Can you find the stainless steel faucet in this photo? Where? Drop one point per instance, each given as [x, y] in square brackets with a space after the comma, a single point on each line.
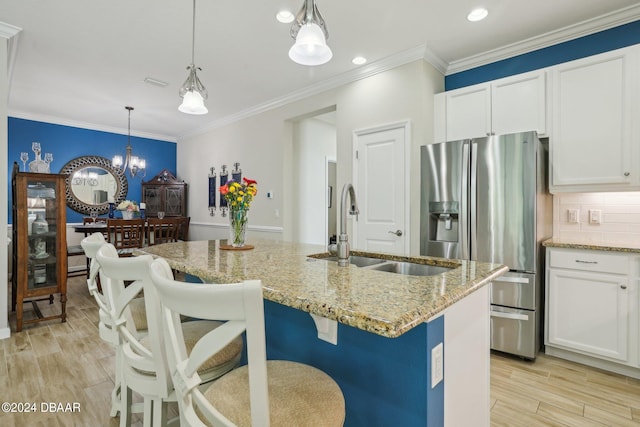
[342, 247]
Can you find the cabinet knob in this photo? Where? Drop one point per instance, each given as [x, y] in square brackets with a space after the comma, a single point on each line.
[627, 174]
[623, 286]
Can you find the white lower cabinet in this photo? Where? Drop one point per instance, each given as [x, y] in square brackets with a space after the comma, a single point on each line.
[592, 307]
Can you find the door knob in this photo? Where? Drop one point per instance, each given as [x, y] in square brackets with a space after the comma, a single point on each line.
[397, 232]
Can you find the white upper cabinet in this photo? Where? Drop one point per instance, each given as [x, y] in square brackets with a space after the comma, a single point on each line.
[439, 118]
[519, 104]
[592, 142]
[508, 105]
[468, 112]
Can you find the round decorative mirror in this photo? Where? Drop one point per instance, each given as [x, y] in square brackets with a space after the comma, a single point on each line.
[91, 182]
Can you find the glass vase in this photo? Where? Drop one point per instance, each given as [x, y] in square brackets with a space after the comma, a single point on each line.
[237, 227]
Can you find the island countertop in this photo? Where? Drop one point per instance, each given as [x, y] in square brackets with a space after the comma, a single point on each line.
[386, 304]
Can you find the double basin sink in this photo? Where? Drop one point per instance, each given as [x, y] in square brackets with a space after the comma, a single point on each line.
[390, 266]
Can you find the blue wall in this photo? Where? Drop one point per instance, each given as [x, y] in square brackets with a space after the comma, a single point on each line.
[67, 143]
[614, 38]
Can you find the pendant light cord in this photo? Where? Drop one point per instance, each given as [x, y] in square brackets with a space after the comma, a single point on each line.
[193, 35]
[129, 138]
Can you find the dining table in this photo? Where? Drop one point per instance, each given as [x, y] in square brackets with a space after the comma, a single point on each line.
[90, 228]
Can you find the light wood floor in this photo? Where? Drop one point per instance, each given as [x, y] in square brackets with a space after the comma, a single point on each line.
[68, 363]
[555, 392]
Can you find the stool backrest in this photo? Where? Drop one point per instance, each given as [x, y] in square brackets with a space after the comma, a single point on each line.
[90, 245]
[240, 306]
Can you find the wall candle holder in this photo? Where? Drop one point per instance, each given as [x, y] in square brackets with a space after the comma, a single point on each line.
[212, 191]
[224, 177]
[236, 174]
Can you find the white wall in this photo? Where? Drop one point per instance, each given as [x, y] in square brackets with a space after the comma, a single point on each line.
[314, 142]
[620, 218]
[264, 146]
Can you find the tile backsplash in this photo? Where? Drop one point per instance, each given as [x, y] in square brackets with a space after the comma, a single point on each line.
[619, 217]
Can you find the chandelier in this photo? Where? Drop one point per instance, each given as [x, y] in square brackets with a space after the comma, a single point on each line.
[136, 165]
[310, 33]
[192, 91]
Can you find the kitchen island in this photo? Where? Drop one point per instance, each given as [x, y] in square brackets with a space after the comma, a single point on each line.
[383, 328]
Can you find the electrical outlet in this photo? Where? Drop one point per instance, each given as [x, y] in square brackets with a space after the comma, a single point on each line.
[573, 216]
[437, 365]
[595, 216]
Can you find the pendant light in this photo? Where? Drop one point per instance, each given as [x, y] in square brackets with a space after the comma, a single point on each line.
[310, 33]
[137, 166]
[192, 91]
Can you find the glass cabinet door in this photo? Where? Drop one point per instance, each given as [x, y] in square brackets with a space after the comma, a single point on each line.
[42, 227]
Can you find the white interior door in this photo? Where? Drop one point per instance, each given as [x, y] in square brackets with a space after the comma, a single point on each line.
[381, 182]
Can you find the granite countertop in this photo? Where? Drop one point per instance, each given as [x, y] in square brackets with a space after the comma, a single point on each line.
[386, 304]
[591, 245]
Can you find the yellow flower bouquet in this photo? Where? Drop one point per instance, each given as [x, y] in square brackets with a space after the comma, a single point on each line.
[239, 196]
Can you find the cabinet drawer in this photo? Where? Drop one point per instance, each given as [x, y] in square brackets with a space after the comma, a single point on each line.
[589, 261]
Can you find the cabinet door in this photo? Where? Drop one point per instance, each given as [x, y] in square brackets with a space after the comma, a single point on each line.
[439, 118]
[588, 312]
[591, 139]
[152, 197]
[468, 112]
[518, 104]
[174, 200]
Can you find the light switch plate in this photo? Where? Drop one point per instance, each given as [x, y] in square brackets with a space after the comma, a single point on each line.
[595, 216]
[573, 216]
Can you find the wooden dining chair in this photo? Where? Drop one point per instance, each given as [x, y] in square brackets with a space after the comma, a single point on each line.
[164, 230]
[125, 234]
[282, 393]
[145, 369]
[184, 228]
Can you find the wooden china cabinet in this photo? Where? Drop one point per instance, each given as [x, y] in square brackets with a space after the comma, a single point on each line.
[39, 244]
[165, 193]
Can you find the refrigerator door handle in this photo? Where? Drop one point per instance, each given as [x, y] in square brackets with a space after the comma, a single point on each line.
[510, 316]
[512, 279]
[464, 203]
[473, 201]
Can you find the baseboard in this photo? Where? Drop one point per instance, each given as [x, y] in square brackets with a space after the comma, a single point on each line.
[5, 333]
[594, 362]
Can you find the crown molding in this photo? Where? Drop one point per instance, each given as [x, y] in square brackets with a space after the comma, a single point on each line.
[86, 125]
[362, 72]
[8, 31]
[12, 34]
[581, 29]
[433, 59]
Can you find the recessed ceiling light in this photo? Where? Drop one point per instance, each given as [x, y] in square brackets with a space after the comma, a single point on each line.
[477, 14]
[359, 60]
[285, 16]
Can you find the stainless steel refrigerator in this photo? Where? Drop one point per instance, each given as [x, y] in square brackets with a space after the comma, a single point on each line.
[486, 199]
